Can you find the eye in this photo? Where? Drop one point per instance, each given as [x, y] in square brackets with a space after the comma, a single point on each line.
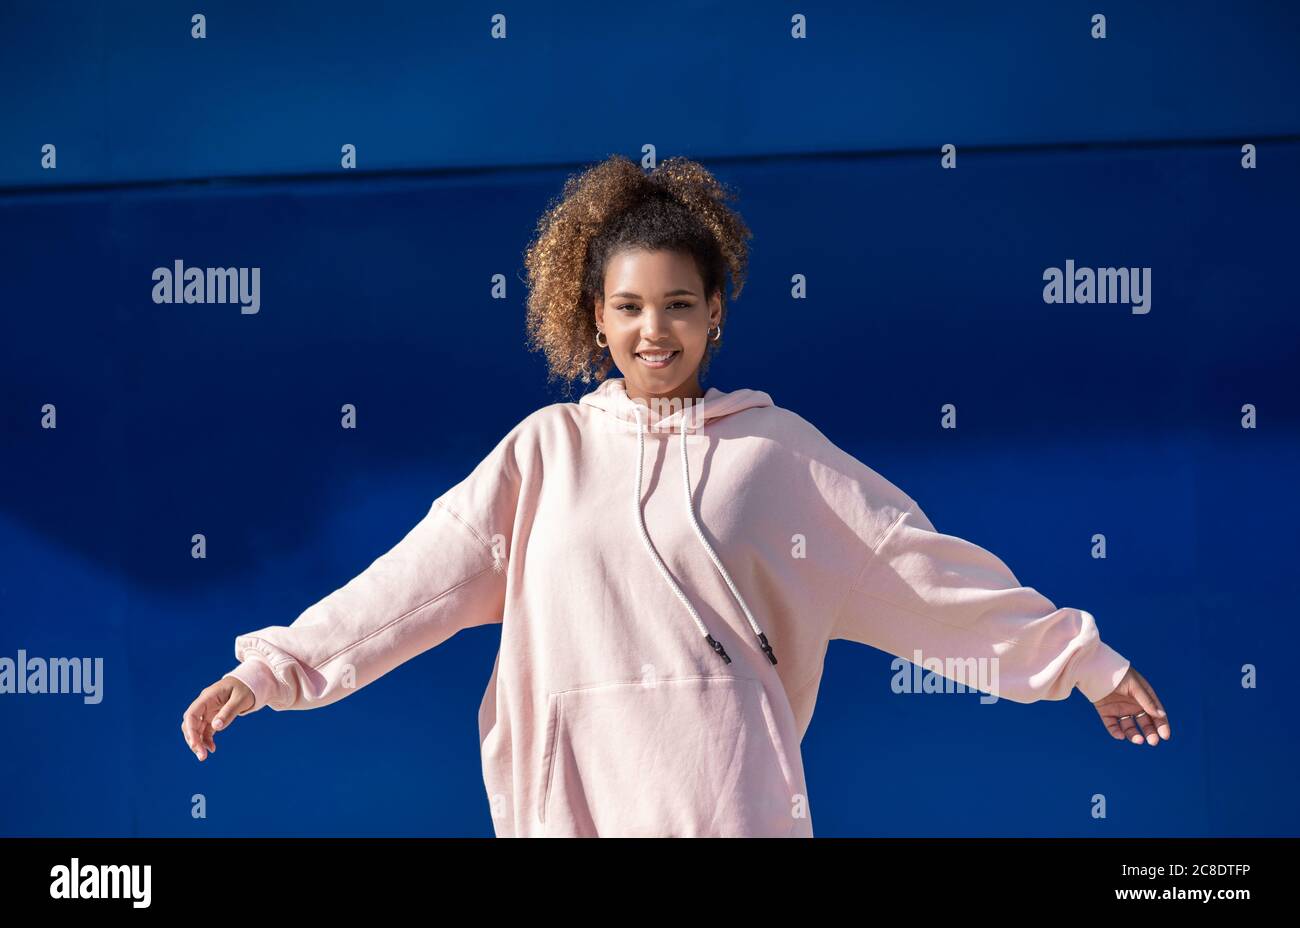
[680, 303]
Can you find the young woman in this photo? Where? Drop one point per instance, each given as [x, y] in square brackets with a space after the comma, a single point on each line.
[668, 563]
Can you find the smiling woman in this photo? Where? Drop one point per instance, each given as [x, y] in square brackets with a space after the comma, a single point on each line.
[667, 585]
[658, 341]
[629, 269]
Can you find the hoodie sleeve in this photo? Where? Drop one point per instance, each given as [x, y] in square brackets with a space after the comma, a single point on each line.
[947, 598]
[447, 573]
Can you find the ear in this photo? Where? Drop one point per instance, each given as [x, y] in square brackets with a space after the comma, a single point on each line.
[715, 308]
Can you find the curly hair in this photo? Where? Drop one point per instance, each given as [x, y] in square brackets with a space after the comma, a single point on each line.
[613, 206]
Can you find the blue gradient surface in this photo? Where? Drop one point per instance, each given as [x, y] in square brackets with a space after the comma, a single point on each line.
[924, 288]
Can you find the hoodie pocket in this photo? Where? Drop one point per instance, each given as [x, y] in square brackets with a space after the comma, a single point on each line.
[687, 756]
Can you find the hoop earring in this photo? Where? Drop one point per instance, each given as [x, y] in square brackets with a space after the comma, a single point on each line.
[605, 343]
[716, 337]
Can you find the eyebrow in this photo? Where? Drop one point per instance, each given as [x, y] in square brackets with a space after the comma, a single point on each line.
[637, 296]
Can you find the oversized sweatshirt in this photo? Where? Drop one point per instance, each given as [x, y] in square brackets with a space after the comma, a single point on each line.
[667, 581]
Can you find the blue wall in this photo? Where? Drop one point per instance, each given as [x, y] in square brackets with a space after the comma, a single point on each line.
[925, 288]
[276, 88]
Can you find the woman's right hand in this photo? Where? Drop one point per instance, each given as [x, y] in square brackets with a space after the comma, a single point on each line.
[213, 710]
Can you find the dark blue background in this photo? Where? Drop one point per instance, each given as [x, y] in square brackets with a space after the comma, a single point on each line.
[925, 288]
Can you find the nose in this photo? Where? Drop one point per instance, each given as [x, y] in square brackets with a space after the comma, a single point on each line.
[653, 322]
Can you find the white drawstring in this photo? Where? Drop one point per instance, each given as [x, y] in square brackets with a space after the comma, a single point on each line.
[717, 562]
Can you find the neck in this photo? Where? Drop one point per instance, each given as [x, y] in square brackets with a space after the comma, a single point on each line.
[690, 390]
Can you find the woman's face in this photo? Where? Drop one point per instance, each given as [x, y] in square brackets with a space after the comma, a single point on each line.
[653, 304]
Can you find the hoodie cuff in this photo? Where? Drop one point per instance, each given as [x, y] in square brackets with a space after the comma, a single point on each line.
[1100, 672]
[258, 677]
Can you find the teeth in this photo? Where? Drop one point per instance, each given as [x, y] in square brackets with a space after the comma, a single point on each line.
[657, 357]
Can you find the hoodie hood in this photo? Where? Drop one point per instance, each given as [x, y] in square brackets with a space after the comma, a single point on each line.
[682, 417]
[611, 397]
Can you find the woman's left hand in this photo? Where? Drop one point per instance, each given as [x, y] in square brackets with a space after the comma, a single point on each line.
[1132, 712]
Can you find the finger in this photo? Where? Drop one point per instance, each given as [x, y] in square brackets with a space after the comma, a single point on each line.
[205, 727]
[1147, 727]
[1112, 726]
[194, 726]
[229, 712]
[1156, 729]
[1155, 711]
[189, 723]
[1130, 730]
[188, 718]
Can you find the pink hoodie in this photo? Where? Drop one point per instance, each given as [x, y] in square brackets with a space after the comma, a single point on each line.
[663, 624]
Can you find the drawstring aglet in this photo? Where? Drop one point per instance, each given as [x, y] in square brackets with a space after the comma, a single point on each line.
[717, 646]
[767, 648]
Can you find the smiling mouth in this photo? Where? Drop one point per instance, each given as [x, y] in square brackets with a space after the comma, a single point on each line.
[658, 359]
